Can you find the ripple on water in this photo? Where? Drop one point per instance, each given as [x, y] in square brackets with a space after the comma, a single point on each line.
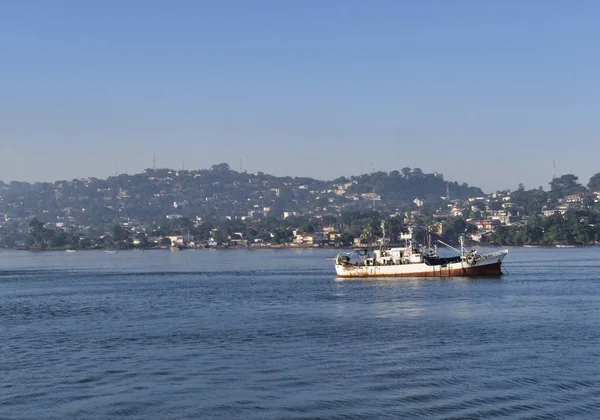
[270, 336]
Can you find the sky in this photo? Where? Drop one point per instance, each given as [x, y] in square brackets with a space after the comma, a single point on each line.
[485, 92]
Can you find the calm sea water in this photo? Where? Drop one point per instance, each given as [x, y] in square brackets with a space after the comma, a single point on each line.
[273, 335]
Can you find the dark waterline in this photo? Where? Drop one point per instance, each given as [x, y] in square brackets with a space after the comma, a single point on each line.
[272, 334]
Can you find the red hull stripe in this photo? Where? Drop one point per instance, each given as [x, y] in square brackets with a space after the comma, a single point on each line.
[488, 269]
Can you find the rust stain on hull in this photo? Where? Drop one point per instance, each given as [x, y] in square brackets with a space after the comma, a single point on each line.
[483, 270]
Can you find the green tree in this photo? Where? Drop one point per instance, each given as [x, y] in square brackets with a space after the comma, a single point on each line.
[250, 234]
[504, 235]
[557, 230]
[282, 236]
[85, 242]
[307, 228]
[37, 234]
[455, 227]
[73, 241]
[495, 205]
[345, 239]
[120, 234]
[221, 168]
[480, 205]
[144, 243]
[367, 237]
[220, 237]
[417, 172]
[565, 185]
[594, 184]
[58, 240]
[394, 227]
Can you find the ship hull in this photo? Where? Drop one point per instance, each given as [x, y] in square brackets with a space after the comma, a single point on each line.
[491, 265]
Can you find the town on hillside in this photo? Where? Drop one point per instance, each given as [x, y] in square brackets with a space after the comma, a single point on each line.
[220, 207]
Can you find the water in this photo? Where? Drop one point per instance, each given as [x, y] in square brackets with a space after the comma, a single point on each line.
[273, 335]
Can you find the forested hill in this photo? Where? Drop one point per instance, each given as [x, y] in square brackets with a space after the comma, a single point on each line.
[217, 192]
[410, 184]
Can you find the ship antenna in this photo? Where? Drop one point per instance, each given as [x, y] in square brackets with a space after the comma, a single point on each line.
[382, 234]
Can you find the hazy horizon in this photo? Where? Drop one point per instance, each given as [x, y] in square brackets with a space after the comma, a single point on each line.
[486, 93]
[127, 172]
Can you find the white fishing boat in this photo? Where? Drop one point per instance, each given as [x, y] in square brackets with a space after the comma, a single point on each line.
[415, 261]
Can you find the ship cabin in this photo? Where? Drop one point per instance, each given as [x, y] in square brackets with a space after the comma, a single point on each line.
[394, 256]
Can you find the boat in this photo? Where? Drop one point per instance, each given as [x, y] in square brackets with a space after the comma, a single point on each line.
[565, 246]
[71, 250]
[417, 261]
[531, 246]
[110, 251]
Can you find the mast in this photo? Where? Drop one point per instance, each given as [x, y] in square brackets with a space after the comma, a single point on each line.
[428, 239]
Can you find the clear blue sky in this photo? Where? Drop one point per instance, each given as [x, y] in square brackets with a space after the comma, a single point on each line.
[485, 92]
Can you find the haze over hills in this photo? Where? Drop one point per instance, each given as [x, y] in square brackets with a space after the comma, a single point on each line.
[106, 175]
[209, 196]
[160, 202]
[221, 191]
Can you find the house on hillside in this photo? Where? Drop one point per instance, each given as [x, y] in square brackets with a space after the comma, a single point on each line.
[487, 225]
[575, 198]
[310, 238]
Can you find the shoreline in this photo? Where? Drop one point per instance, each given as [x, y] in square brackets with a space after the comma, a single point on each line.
[254, 247]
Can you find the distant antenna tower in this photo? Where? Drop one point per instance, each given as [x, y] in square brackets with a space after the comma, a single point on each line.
[117, 169]
[153, 160]
[553, 169]
[241, 167]
[447, 191]
[183, 165]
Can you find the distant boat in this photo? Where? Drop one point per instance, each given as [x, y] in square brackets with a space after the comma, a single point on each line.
[110, 251]
[71, 250]
[565, 246]
[531, 246]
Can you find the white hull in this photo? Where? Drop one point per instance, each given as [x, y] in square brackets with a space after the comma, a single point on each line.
[487, 264]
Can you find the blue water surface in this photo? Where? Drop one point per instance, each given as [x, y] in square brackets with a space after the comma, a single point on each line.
[272, 334]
